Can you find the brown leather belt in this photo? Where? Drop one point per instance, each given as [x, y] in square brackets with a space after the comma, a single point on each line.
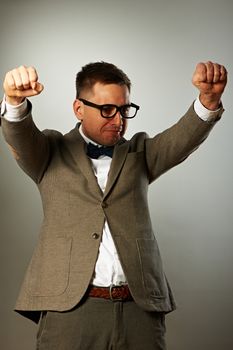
[114, 293]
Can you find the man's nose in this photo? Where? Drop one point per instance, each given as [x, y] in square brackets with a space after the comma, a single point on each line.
[118, 119]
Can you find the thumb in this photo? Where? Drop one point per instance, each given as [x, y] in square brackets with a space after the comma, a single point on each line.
[37, 87]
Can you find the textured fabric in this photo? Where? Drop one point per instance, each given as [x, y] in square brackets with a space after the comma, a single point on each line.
[100, 324]
[75, 210]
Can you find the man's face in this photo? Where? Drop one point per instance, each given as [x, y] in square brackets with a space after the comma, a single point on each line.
[102, 130]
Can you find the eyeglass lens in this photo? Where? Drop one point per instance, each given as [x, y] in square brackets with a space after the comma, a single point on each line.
[126, 111]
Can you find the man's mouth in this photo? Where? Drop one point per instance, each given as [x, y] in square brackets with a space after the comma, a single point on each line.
[113, 129]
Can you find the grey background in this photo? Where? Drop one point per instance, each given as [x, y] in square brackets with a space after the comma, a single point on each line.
[158, 44]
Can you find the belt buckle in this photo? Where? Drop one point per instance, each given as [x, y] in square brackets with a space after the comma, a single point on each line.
[110, 293]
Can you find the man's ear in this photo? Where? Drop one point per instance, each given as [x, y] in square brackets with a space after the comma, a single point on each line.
[78, 109]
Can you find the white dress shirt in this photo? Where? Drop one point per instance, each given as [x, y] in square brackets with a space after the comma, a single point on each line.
[108, 269]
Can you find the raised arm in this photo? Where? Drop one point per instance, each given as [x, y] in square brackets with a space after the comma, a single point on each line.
[172, 146]
[29, 146]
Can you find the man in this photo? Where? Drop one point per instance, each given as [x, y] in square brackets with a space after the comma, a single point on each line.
[96, 279]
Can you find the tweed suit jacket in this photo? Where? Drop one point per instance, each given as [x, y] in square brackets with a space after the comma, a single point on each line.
[75, 209]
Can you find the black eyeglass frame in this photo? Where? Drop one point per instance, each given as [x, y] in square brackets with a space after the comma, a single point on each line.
[118, 108]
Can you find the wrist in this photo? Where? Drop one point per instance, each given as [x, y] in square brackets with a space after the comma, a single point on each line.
[14, 101]
[210, 101]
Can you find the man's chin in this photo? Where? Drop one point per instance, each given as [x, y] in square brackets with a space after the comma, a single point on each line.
[111, 141]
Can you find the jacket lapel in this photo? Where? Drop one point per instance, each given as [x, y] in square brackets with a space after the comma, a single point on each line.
[119, 156]
[77, 147]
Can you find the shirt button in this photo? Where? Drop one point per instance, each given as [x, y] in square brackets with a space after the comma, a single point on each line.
[95, 235]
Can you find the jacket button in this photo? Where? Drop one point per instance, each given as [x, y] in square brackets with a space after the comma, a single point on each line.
[104, 205]
[95, 235]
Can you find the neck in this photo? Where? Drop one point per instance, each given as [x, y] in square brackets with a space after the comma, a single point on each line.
[87, 139]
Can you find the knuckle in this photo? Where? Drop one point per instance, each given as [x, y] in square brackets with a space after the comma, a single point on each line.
[11, 85]
[8, 77]
[22, 67]
[32, 71]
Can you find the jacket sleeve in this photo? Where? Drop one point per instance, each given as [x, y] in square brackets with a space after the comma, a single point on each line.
[28, 144]
[175, 144]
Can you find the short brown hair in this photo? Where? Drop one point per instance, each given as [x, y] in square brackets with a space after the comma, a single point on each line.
[101, 72]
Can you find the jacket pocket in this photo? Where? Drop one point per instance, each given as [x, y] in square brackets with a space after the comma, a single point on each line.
[48, 273]
[151, 268]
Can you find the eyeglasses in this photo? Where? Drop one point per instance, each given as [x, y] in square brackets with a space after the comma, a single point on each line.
[128, 111]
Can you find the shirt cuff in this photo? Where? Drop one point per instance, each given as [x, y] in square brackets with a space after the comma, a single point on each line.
[204, 113]
[14, 113]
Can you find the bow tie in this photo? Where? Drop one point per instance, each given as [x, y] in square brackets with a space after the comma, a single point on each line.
[95, 152]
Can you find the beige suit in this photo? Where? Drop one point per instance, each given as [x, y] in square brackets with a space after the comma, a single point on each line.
[75, 210]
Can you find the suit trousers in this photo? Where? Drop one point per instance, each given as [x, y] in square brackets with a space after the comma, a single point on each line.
[100, 324]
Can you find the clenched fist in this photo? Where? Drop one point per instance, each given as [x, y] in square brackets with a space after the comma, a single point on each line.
[21, 82]
[211, 79]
